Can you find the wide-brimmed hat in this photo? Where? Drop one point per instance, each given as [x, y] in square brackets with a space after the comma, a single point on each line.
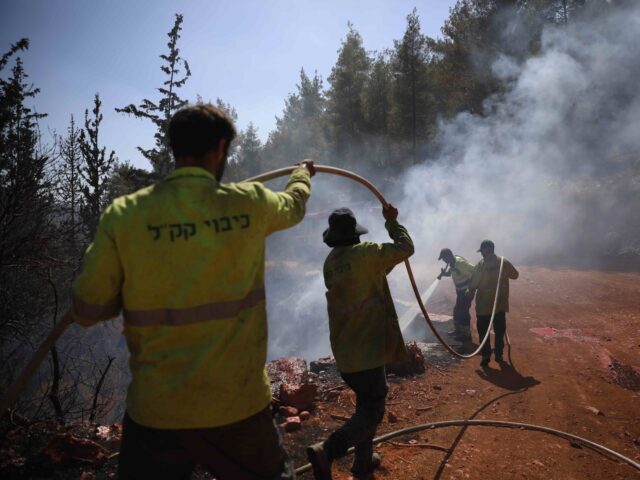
[342, 227]
[488, 244]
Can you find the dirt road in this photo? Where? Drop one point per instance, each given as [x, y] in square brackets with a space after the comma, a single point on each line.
[573, 366]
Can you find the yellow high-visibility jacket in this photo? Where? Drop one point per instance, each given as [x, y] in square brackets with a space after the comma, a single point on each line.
[363, 323]
[184, 261]
[461, 273]
[485, 280]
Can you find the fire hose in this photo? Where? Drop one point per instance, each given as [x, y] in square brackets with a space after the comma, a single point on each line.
[449, 423]
[44, 348]
[496, 423]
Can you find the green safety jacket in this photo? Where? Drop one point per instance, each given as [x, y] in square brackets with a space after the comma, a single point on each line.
[485, 280]
[461, 273]
[363, 323]
[184, 262]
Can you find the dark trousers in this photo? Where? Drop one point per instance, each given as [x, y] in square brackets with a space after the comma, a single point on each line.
[370, 387]
[499, 327]
[247, 450]
[461, 315]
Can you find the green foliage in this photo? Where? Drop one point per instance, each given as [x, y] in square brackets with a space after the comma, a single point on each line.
[95, 168]
[249, 156]
[378, 96]
[70, 183]
[177, 72]
[25, 197]
[411, 91]
[345, 98]
[26, 216]
[301, 131]
[126, 179]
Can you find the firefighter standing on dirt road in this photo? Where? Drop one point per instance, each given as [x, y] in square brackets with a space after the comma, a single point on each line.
[184, 261]
[460, 271]
[484, 282]
[364, 331]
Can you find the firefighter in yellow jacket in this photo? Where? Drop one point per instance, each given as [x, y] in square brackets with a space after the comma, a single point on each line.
[183, 261]
[364, 331]
[460, 271]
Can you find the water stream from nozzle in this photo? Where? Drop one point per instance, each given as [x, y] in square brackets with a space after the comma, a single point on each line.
[409, 316]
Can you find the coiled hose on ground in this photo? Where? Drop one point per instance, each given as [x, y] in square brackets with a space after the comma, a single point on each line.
[495, 423]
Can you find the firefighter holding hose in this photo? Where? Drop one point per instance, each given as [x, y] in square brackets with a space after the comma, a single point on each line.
[460, 271]
[183, 261]
[364, 332]
[483, 284]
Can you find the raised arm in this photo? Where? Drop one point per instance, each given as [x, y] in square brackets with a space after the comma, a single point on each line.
[287, 208]
[96, 291]
[390, 254]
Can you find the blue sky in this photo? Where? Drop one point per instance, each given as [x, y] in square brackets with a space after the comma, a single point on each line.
[249, 53]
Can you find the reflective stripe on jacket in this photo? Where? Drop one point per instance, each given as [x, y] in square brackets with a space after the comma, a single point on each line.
[461, 273]
[485, 279]
[184, 260]
[363, 323]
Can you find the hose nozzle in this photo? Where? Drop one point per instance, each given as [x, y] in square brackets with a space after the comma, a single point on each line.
[442, 272]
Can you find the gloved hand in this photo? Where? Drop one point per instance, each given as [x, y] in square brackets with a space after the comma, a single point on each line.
[390, 212]
[309, 164]
[444, 273]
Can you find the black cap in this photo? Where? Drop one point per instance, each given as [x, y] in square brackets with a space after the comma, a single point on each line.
[342, 227]
[445, 252]
[487, 244]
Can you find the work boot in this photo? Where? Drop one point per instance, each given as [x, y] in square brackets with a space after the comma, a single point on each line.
[320, 462]
[361, 471]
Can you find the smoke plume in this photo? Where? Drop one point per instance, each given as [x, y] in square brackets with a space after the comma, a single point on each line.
[550, 172]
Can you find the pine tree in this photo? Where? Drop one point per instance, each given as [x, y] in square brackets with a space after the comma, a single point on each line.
[556, 11]
[25, 217]
[377, 107]
[25, 198]
[250, 151]
[411, 87]
[378, 96]
[474, 35]
[346, 96]
[301, 131]
[70, 185]
[125, 179]
[177, 72]
[95, 168]
[232, 152]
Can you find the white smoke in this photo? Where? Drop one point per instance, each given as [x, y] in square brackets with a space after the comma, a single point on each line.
[550, 173]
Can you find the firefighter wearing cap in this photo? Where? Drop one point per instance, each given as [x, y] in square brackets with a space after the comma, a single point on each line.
[483, 284]
[460, 271]
[183, 261]
[364, 331]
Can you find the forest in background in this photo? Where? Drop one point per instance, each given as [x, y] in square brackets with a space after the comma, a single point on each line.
[376, 110]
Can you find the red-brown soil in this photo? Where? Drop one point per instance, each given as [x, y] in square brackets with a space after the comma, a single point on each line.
[573, 366]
